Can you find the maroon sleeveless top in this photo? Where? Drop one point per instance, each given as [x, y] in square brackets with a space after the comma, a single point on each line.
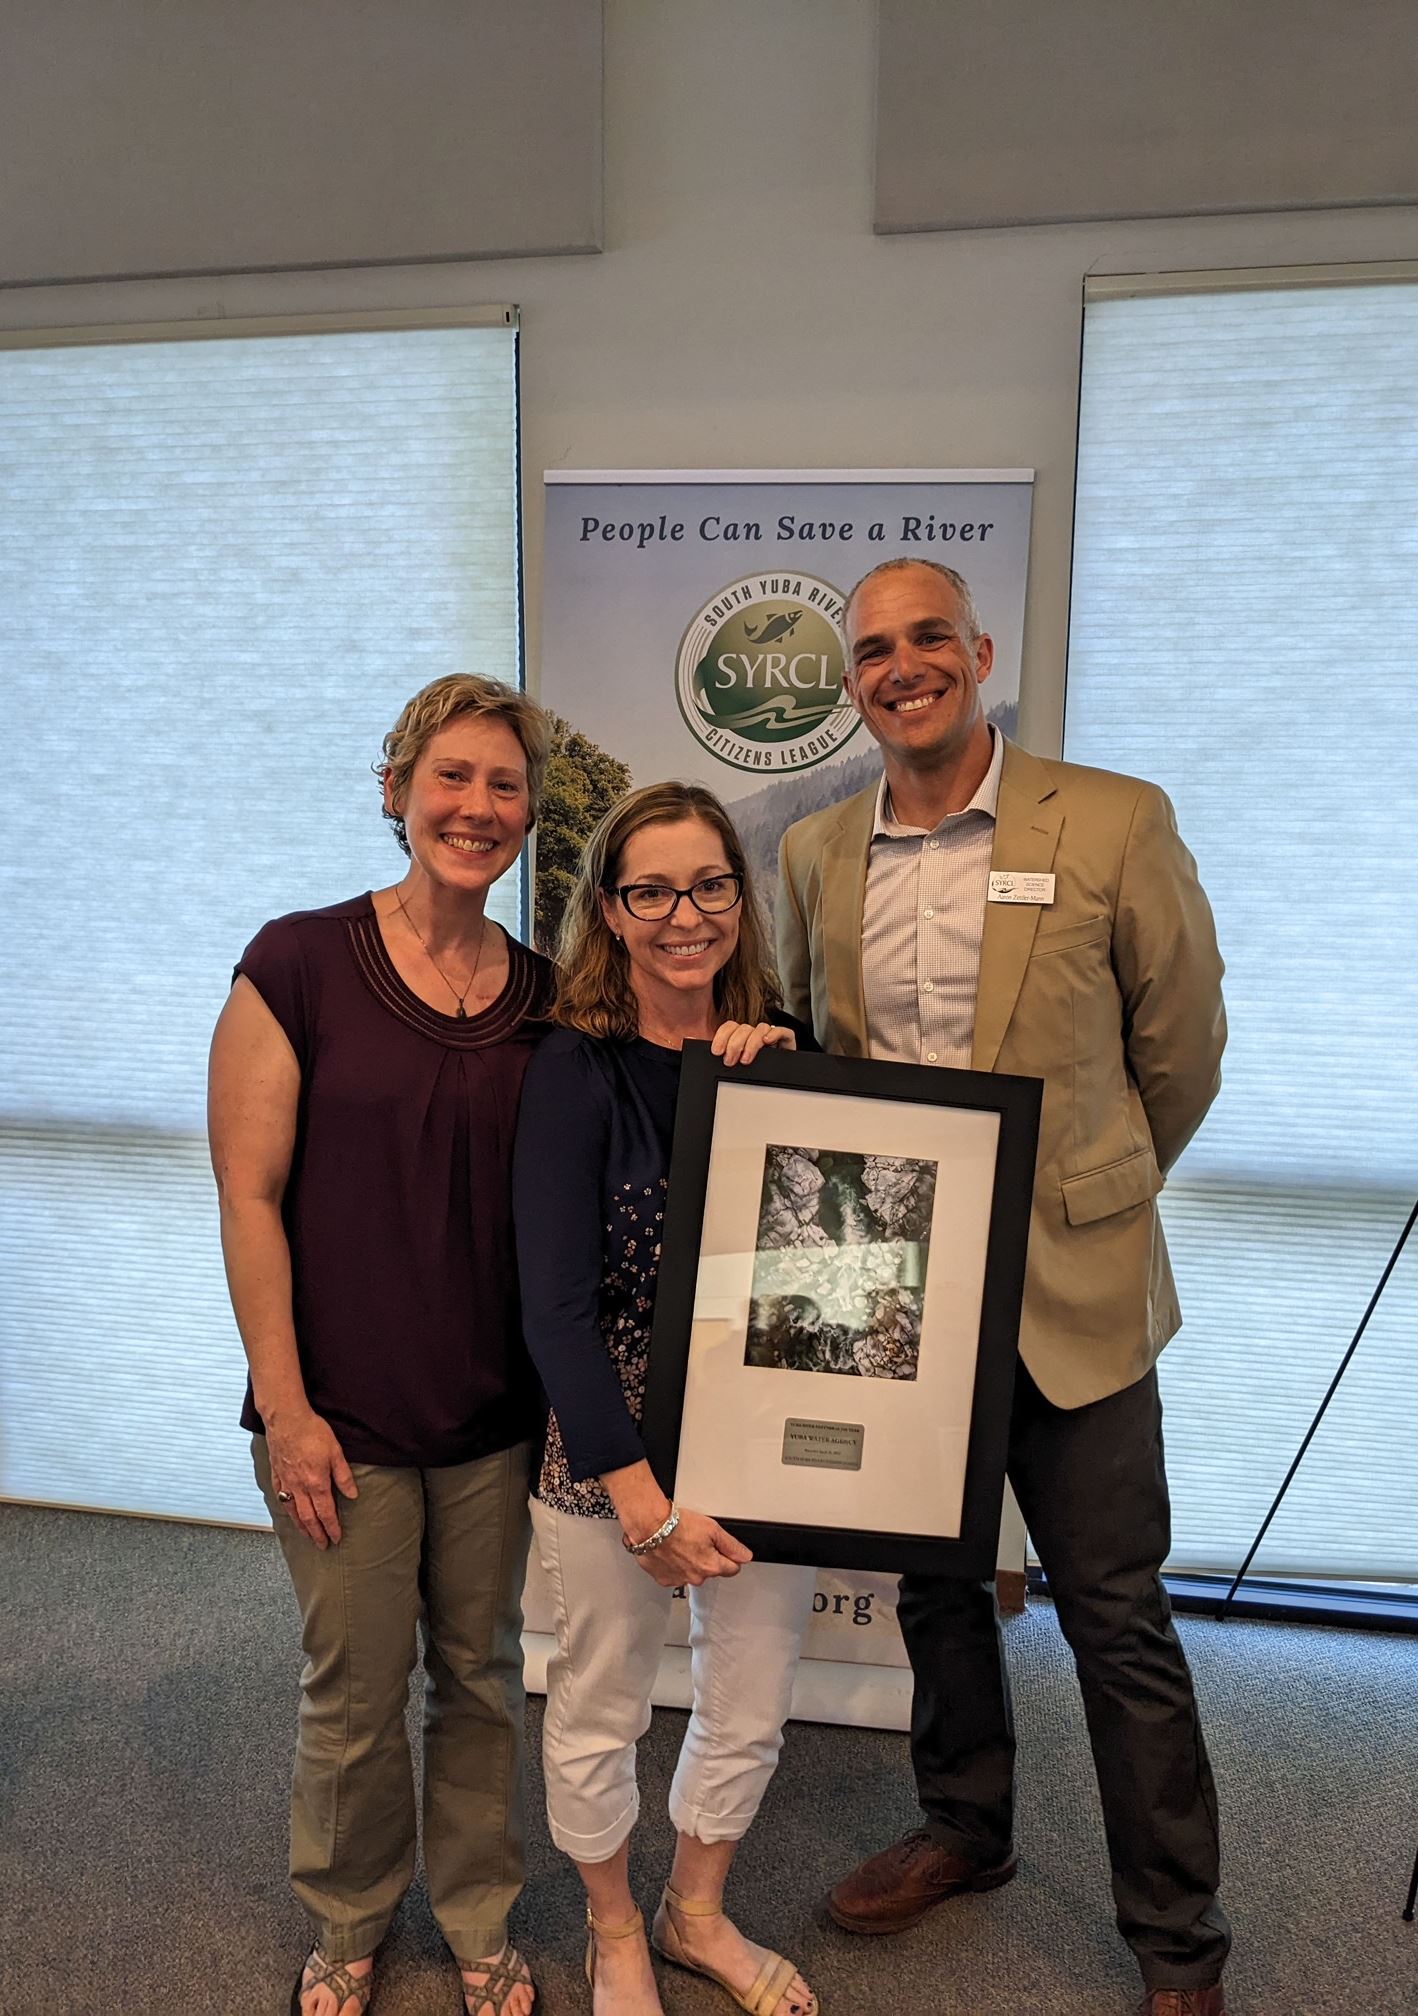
[398, 1206]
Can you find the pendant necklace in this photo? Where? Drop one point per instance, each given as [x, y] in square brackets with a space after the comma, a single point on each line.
[459, 998]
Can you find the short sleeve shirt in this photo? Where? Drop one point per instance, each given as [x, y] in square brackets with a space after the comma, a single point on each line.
[398, 1204]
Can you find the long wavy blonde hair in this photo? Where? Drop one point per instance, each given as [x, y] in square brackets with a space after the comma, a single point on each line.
[594, 993]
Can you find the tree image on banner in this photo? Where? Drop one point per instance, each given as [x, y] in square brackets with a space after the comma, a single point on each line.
[582, 783]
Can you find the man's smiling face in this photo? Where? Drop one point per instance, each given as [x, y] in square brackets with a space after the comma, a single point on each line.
[914, 668]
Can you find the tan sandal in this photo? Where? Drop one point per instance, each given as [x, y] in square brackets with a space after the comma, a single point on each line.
[764, 1998]
[505, 1971]
[334, 1975]
[596, 1925]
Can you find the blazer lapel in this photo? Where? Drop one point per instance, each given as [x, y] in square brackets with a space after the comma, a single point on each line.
[1027, 824]
[844, 884]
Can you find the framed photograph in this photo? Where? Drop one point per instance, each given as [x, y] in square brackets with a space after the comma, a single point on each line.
[837, 1315]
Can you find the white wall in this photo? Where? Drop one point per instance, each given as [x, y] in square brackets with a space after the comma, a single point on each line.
[742, 313]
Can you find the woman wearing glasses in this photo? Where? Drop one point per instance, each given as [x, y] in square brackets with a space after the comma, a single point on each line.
[661, 944]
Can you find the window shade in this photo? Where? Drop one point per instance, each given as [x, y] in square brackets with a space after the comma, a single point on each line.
[1244, 631]
[224, 566]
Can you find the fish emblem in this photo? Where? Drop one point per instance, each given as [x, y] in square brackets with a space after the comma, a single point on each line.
[775, 627]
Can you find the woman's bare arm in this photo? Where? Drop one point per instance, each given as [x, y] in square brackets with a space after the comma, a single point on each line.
[252, 1100]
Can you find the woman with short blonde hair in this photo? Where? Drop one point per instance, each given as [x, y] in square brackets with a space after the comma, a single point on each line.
[661, 944]
[468, 697]
[364, 1084]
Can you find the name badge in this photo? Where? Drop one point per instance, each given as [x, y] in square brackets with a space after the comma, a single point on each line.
[1008, 888]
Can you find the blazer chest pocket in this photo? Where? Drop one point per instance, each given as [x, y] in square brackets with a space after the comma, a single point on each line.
[1099, 1193]
[1065, 937]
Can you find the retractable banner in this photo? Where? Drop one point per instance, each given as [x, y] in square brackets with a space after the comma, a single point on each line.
[691, 628]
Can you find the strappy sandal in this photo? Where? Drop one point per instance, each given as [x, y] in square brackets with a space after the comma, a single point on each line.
[596, 1925]
[334, 1975]
[505, 1971]
[774, 1977]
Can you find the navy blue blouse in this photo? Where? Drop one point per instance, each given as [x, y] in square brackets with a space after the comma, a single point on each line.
[589, 1172]
[589, 1175]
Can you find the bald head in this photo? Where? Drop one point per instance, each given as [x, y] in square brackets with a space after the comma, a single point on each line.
[965, 601]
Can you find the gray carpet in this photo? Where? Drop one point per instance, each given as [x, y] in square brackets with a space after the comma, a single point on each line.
[147, 1693]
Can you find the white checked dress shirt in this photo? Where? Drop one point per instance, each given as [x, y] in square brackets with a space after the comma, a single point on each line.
[922, 925]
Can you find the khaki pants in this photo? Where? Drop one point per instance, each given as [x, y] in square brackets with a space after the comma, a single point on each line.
[446, 1548]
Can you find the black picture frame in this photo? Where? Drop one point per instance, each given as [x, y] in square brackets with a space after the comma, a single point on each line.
[1017, 1101]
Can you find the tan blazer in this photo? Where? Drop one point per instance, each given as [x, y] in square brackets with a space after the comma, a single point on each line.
[1111, 995]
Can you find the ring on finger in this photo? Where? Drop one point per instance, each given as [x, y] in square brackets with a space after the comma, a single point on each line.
[285, 1497]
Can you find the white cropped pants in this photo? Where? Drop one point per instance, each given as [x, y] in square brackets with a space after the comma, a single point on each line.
[744, 1634]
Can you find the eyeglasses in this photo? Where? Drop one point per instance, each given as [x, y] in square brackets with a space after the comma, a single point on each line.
[652, 902]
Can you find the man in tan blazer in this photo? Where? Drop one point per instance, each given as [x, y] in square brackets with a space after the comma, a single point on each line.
[981, 907]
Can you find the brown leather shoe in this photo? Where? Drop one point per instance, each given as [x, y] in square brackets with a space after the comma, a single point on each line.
[896, 1888]
[1184, 2002]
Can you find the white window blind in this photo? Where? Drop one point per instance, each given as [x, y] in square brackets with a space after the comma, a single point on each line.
[1245, 631]
[224, 566]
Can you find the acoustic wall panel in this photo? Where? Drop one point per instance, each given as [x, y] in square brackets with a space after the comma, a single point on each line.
[994, 112]
[143, 137]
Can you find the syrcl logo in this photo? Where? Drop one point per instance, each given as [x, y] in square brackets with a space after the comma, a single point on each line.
[759, 674]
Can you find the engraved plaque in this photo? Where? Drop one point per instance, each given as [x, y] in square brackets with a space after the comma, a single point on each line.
[823, 1445]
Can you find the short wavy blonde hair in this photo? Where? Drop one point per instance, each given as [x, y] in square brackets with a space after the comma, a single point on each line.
[593, 967]
[451, 698]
